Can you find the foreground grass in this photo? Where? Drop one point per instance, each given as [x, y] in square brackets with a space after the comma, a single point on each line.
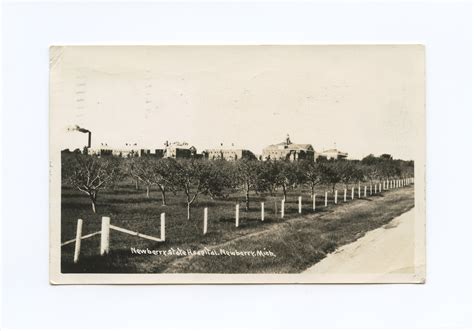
[298, 241]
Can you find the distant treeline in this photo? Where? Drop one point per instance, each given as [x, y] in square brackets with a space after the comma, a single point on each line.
[220, 178]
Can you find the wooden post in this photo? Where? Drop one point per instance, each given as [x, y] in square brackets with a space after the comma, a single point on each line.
[365, 191]
[352, 193]
[359, 191]
[370, 190]
[314, 202]
[77, 248]
[300, 207]
[162, 227]
[380, 187]
[204, 231]
[335, 197]
[283, 208]
[325, 199]
[263, 211]
[345, 195]
[237, 210]
[105, 235]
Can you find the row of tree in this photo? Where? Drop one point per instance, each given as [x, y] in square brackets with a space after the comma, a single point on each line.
[219, 179]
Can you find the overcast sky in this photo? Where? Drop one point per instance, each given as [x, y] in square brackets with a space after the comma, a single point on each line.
[363, 99]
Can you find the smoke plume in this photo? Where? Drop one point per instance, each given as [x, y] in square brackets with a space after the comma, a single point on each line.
[78, 128]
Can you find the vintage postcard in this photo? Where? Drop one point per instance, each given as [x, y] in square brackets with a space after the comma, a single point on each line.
[237, 164]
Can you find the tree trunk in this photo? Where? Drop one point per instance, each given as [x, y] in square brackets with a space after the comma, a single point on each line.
[148, 191]
[284, 192]
[136, 185]
[189, 211]
[312, 190]
[247, 200]
[163, 196]
[93, 197]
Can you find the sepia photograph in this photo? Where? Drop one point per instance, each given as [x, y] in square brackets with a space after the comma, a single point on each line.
[237, 164]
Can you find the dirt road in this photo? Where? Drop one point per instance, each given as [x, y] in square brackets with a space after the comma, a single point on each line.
[389, 250]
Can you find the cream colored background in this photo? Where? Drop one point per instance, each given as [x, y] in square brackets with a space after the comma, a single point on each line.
[368, 97]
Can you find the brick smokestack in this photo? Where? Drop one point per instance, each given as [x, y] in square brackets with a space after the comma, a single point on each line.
[89, 138]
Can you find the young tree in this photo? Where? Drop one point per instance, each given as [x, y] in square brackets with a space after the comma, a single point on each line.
[248, 177]
[140, 168]
[278, 173]
[349, 171]
[193, 177]
[330, 174]
[90, 174]
[151, 171]
[311, 173]
[370, 172]
[222, 181]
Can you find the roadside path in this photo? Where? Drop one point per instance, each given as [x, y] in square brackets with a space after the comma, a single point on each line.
[387, 250]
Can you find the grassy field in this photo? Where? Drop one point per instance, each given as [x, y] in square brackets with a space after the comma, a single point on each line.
[298, 241]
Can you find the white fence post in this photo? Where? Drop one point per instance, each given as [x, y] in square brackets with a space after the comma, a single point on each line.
[370, 189]
[283, 208]
[345, 195]
[237, 211]
[105, 235]
[380, 187]
[77, 248]
[299, 205]
[335, 197]
[162, 227]
[365, 191]
[359, 191]
[204, 230]
[352, 193]
[263, 211]
[314, 202]
[326, 199]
